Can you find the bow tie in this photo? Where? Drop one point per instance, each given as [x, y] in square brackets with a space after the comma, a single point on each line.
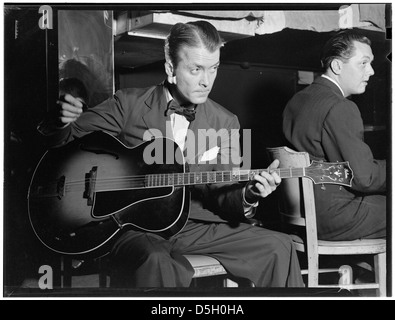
[187, 112]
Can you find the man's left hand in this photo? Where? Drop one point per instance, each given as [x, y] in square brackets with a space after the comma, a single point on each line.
[263, 184]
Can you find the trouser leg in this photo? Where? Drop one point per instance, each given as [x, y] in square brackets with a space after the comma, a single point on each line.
[146, 260]
[263, 256]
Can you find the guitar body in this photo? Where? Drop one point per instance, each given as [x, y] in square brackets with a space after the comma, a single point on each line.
[80, 197]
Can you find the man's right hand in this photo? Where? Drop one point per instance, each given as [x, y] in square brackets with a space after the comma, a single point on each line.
[70, 109]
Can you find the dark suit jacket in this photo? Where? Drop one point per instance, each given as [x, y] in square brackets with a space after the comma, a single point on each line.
[321, 121]
[133, 115]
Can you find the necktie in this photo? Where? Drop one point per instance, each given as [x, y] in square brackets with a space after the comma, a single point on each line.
[187, 112]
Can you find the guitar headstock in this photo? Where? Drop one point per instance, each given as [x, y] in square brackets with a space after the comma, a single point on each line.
[330, 172]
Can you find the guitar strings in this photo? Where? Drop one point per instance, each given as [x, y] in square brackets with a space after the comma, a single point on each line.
[140, 180]
[144, 177]
[58, 186]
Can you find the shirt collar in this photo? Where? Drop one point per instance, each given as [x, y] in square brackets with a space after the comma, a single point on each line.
[335, 82]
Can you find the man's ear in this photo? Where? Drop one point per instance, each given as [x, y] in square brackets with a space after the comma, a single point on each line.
[171, 78]
[336, 66]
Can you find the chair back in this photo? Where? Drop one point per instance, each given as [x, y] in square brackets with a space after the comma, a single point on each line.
[295, 193]
[297, 204]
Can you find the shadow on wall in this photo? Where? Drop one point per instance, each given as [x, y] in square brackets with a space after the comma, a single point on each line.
[96, 91]
[85, 47]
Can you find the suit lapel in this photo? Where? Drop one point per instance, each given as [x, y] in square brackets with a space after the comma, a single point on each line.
[155, 118]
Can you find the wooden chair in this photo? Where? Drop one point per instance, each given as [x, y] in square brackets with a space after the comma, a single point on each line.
[297, 208]
[203, 265]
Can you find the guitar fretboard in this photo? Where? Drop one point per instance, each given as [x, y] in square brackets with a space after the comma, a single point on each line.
[192, 178]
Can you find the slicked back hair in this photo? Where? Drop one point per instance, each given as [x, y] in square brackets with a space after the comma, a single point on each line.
[192, 34]
[341, 46]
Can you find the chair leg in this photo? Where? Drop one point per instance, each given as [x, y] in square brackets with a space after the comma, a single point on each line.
[312, 275]
[57, 272]
[66, 271]
[381, 273]
[102, 274]
[346, 275]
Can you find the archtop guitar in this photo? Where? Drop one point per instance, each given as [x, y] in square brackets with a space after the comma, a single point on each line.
[82, 195]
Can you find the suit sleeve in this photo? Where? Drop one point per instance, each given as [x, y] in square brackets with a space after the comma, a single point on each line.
[343, 139]
[106, 116]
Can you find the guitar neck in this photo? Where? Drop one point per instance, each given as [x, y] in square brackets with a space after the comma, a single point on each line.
[193, 178]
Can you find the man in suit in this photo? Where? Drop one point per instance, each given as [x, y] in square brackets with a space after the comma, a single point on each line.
[324, 122]
[217, 222]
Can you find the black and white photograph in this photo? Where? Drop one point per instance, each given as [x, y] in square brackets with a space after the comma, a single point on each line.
[195, 151]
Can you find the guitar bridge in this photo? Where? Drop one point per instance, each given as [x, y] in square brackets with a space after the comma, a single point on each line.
[90, 184]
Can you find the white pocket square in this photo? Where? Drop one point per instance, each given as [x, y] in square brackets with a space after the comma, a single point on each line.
[210, 154]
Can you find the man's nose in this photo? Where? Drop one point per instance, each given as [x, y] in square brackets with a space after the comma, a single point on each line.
[205, 79]
[370, 70]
